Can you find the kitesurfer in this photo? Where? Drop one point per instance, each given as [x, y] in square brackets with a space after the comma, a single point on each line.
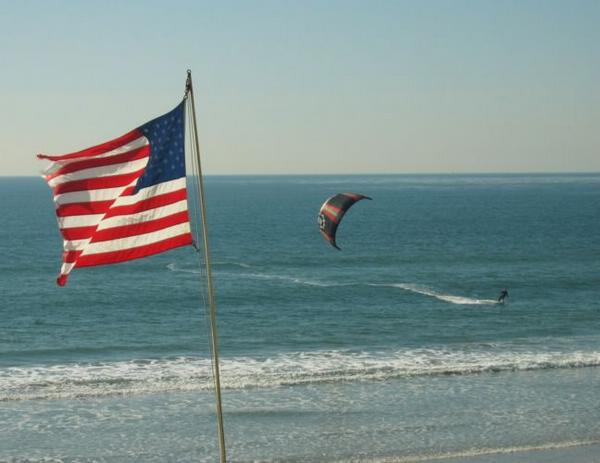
[503, 295]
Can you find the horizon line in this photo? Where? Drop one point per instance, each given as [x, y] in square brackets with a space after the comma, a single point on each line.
[338, 174]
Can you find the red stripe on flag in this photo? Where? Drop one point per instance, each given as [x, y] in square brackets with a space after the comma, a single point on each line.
[97, 183]
[138, 153]
[71, 256]
[128, 191]
[114, 257]
[77, 233]
[140, 228]
[94, 207]
[98, 149]
[147, 204]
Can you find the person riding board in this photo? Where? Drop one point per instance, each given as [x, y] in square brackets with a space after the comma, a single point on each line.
[503, 295]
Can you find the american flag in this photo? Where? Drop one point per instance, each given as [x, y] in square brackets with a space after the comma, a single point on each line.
[123, 199]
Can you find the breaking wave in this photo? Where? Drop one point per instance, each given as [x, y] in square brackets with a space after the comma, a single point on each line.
[259, 276]
[295, 280]
[414, 288]
[192, 373]
[173, 267]
[442, 297]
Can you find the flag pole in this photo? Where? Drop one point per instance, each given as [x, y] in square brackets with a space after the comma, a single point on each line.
[209, 281]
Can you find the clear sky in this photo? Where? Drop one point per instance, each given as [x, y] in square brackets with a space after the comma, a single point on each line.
[296, 87]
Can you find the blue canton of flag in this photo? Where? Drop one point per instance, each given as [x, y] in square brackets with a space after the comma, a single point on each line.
[167, 148]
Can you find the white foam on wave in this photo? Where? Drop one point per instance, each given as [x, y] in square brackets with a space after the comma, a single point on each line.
[187, 373]
[261, 276]
[173, 267]
[235, 264]
[295, 280]
[441, 296]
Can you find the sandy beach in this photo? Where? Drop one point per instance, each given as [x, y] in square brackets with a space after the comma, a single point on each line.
[566, 453]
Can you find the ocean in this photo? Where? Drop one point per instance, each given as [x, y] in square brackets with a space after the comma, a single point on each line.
[392, 349]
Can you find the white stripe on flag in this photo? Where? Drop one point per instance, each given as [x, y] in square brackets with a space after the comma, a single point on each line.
[104, 194]
[137, 241]
[75, 221]
[133, 145]
[102, 171]
[148, 192]
[144, 216]
[75, 245]
[65, 268]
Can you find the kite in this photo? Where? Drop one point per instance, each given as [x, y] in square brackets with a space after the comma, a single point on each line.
[332, 211]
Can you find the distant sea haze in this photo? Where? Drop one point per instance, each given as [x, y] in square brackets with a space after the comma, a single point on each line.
[393, 349]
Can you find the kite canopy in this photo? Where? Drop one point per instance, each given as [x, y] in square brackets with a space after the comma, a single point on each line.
[332, 211]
